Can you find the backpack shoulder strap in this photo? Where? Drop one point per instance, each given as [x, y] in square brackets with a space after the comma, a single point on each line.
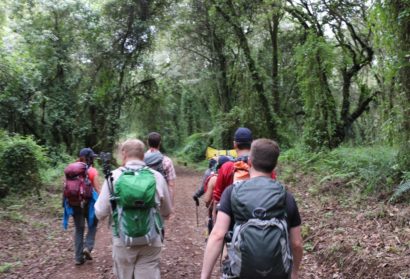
[124, 169]
[235, 188]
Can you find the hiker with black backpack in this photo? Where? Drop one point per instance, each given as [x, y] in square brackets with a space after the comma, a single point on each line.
[263, 221]
[137, 198]
[81, 188]
[159, 162]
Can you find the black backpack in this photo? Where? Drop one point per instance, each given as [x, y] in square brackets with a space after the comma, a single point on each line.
[259, 247]
[154, 161]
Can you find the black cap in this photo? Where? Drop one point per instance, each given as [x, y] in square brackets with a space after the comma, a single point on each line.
[87, 153]
[243, 135]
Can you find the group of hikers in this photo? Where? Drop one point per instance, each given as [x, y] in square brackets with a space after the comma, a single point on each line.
[254, 223]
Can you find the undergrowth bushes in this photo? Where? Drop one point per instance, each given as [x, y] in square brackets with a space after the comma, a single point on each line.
[374, 169]
[195, 147]
[58, 160]
[25, 166]
[21, 160]
[403, 190]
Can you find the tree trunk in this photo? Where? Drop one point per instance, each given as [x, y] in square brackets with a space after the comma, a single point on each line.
[401, 9]
[221, 67]
[273, 31]
[257, 83]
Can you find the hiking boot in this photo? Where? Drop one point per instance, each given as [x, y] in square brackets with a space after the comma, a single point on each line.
[87, 254]
[79, 262]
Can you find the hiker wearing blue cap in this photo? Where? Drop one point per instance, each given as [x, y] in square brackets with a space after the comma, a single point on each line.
[243, 135]
[81, 188]
[238, 170]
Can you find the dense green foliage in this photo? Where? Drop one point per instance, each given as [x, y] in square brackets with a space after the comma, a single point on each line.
[69, 68]
[373, 166]
[21, 161]
[320, 119]
[321, 74]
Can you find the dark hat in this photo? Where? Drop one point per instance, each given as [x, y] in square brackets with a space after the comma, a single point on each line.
[212, 163]
[243, 135]
[222, 160]
[87, 153]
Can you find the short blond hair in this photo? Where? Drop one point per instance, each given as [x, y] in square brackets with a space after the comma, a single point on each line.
[133, 148]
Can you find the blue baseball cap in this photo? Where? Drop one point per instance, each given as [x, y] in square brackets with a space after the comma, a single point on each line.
[87, 153]
[243, 135]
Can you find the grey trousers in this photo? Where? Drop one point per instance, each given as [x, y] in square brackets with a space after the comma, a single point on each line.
[139, 262]
[80, 217]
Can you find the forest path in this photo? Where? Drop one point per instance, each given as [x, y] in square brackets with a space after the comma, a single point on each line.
[343, 239]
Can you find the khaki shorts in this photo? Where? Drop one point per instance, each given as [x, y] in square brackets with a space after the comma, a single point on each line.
[139, 262]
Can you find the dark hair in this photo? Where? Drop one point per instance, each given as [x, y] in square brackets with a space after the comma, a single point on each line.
[264, 155]
[222, 160]
[243, 145]
[154, 139]
[86, 160]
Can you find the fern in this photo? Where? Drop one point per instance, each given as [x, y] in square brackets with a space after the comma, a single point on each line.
[401, 191]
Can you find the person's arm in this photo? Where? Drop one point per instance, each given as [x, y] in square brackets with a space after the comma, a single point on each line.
[201, 189]
[209, 191]
[171, 177]
[102, 205]
[214, 244]
[296, 245]
[96, 183]
[218, 188]
[171, 189]
[164, 196]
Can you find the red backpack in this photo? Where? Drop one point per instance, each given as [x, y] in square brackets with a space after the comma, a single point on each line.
[77, 186]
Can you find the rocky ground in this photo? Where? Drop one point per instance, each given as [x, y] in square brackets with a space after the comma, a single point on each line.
[345, 235]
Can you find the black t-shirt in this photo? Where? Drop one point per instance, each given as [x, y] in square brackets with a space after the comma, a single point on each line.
[293, 217]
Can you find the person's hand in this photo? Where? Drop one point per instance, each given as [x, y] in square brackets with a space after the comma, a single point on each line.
[196, 199]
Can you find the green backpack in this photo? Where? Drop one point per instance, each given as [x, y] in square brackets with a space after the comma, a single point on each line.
[136, 219]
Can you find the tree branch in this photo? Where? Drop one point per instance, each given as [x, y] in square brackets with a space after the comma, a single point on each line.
[197, 53]
[361, 108]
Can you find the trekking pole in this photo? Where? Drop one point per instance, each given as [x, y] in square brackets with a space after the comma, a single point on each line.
[197, 205]
[106, 159]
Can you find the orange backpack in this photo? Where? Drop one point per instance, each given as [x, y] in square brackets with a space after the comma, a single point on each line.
[241, 169]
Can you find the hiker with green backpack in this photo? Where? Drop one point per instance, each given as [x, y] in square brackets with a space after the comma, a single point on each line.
[260, 223]
[137, 198]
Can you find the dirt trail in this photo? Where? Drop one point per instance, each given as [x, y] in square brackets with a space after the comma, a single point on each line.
[343, 239]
